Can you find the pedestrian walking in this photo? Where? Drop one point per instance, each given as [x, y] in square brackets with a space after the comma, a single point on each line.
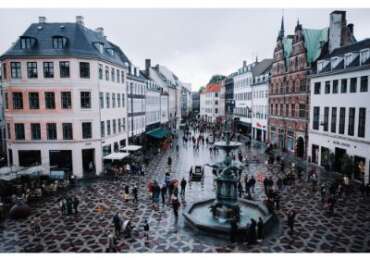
[252, 232]
[175, 207]
[233, 230]
[134, 193]
[252, 184]
[117, 222]
[76, 202]
[260, 231]
[146, 231]
[183, 187]
[163, 192]
[291, 220]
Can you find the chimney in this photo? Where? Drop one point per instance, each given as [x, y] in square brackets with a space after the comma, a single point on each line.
[80, 20]
[350, 28]
[42, 19]
[336, 29]
[244, 63]
[147, 66]
[100, 31]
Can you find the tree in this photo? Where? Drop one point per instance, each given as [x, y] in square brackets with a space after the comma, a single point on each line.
[347, 165]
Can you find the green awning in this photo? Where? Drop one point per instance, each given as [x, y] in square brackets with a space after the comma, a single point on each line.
[159, 133]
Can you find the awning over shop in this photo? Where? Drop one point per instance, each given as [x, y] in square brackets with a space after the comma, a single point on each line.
[131, 148]
[116, 156]
[33, 171]
[159, 133]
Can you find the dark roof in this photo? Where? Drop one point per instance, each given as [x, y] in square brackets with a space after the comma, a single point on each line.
[262, 67]
[350, 48]
[80, 42]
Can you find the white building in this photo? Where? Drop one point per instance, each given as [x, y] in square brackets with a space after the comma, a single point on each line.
[260, 87]
[2, 124]
[186, 99]
[212, 102]
[152, 103]
[65, 101]
[340, 109]
[243, 98]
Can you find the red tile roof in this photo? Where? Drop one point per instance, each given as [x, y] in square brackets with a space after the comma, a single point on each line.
[213, 87]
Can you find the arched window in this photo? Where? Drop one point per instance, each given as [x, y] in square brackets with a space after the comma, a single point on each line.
[59, 42]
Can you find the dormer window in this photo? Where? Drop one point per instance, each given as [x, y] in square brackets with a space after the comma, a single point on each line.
[347, 59]
[320, 66]
[27, 42]
[110, 52]
[59, 42]
[364, 55]
[334, 62]
[99, 46]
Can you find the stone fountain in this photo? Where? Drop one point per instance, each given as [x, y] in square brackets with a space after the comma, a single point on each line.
[213, 216]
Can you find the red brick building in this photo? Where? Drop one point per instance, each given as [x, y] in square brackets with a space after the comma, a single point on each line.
[294, 57]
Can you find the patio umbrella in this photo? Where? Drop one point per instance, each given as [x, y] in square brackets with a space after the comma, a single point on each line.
[21, 210]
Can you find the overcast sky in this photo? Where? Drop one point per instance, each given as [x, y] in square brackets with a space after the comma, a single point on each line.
[193, 43]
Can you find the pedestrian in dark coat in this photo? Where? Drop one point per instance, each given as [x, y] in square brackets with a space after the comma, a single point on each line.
[252, 232]
[291, 220]
[175, 207]
[252, 183]
[76, 202]
[183, 187]
[135, 193]
[260, 232]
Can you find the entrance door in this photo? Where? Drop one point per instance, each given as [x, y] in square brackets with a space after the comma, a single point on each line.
[359, 171]
[300, 147]
[315, 153]
[61, 160]
[88, 162]
[281, 141]
[339, 153]
[259, 134]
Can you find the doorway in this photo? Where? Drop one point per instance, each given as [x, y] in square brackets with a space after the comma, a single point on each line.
[339, 154]
[61, 160]
[300, 147]
[88, 162]
[259, 134]
[315, 153]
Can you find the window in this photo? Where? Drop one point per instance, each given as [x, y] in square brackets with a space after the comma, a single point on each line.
[100, 72]
[123, 100]
[106, 73]
[353, 85]
[86, 130]
[64, 69]
[33, 100]
[343, 88]
[27, 42]
[335, 86]
[119, 125]
[351, 122]
[48, 69]
[286, 109]
[84, 70]
[35, 131]
[113, 100]
[316, 118]
[326, 118]
[361, 122]
[102, 129]
[17, 100]
[4, 71]
[327, 87]
[101, 99]
[99, 46]
[49, 100]
[15, 68]
[292, 112]
[118, 100]
[8, 130]
[85, 98]
[113, 74]
[302, 110]
[333, 119]
[59, 42]
[342, 120]
[117, 72]
[122, 77]
[66, 100]
[51, 129]
[317, 88]
[107, 99]
[31, 70]
[6, 101]
[108, 127]
[114, 126]
[67, 131]
[364, 84]
[19, 131]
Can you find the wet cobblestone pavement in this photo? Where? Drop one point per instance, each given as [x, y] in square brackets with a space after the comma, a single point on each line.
[347, 230]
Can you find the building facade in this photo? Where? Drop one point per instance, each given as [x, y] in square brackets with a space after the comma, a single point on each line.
[294, 57]
[212, 102]
[229, 95]
[340, 110]
[195, 96]
[152, 104]
[260, 87]
[65, 91]
[243, 99]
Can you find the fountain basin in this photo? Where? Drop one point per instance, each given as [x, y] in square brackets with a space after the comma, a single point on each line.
[228, 146]
[199, 217]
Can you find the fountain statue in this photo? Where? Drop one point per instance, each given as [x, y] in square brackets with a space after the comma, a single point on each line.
[215, 215]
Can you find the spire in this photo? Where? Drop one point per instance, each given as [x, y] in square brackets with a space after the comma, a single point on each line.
[281, 33]
[298, 26]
